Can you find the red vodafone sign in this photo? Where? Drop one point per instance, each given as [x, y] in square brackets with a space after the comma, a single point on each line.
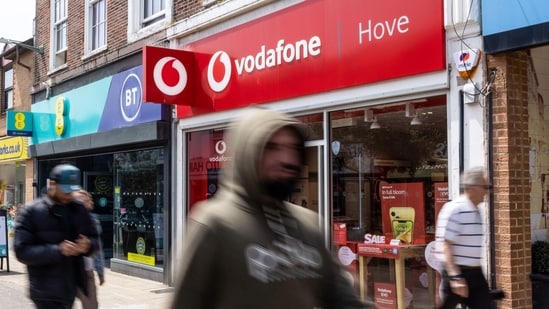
[312, 47]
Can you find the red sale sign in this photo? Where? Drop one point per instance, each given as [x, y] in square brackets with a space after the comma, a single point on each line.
[340, 44]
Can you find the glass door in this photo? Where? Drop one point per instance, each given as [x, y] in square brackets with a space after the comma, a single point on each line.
[309, 191]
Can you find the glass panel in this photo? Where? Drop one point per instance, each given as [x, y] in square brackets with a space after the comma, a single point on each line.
[60, 10]
[314, 125]
[8, 78]
[152, 7]
[8, 99]
[307, 187]
[61, 36]
[98, 24]
[206, 151]
[139, 206]
[389, 177]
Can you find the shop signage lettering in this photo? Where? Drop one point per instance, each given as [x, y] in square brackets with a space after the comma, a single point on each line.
[13, 148]
[282, 53]
[374, 239]
[381, 29]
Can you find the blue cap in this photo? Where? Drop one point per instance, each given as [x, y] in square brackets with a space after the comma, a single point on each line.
[67, 177]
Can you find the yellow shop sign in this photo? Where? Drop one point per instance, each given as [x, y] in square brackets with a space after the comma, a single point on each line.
[13, 148]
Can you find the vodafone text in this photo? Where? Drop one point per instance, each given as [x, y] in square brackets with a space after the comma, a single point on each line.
[377, 31]
[282, 53]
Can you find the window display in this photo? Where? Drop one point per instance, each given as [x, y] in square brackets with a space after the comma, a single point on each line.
[389, 179]
[138, 204]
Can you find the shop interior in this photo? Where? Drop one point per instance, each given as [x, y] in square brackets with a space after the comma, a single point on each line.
[387, 177]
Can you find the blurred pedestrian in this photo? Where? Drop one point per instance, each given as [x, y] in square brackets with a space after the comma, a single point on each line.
[460, 236]
[91, 263]
[52, 234]
[249, 248]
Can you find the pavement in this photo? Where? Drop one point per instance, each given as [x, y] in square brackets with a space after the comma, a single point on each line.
[119, 290]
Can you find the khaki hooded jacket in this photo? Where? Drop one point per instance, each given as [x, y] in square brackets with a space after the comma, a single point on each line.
[245, 251]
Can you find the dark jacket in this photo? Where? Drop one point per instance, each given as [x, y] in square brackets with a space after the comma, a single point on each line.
[40, 228]
[236, 258]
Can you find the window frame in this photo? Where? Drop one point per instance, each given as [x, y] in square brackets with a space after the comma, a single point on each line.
[140, 26]
[91, 23]
[59, 30]
[7, 90]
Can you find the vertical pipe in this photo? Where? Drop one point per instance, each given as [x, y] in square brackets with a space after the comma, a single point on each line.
[461, 132]
[490, 164]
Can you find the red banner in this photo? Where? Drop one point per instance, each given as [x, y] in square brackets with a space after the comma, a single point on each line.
[341, 44]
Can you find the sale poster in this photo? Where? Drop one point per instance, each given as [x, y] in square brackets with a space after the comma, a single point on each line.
[403, 212]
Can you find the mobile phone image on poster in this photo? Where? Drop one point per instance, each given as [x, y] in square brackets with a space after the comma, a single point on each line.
[402, 222]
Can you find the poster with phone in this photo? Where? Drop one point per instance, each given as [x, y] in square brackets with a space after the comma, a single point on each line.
[403, 212]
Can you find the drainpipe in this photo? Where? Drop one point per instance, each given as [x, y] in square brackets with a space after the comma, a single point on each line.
[461, 130]
[18, 60]
[491, 199]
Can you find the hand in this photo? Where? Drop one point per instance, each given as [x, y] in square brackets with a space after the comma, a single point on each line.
[460, 287]
[83, 244]
[68, 248]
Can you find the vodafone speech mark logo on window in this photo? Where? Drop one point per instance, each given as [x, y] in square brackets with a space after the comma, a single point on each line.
[219, 71]
[170, 76]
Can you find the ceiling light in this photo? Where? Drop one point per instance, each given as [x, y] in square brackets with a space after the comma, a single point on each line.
[416, 121]
[375, 124]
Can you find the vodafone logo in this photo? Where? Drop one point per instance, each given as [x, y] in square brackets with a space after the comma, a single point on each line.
[220, 64]
[220, 147]
[164, 79]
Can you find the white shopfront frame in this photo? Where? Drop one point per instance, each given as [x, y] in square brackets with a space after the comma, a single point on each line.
[362, 96]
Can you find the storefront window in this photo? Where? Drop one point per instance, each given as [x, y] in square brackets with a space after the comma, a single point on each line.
[207, 153]
[389, 178]
[127, 189]
[139, 206]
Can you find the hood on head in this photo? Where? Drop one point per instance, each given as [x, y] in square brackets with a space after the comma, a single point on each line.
[247, 139]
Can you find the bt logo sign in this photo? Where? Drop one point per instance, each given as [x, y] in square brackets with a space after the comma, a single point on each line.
[130, 97]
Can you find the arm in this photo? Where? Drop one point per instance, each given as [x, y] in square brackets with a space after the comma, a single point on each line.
[196, 280]
[99, 258]
[28, 249]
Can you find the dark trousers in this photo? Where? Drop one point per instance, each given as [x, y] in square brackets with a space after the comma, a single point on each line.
[50, 304]
[479, 292]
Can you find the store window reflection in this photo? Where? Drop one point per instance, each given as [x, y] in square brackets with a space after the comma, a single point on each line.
[139, 206]
[207, 152]
[389, 178]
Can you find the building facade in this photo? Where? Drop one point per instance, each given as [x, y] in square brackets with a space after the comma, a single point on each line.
[386, 91]
[16, 166]
[399, 100]
[516, 42]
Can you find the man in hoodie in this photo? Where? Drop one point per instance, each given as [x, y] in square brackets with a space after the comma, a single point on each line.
[249, 248]
[52, 234]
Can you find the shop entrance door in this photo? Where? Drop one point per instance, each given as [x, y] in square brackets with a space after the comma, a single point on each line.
[310, 191]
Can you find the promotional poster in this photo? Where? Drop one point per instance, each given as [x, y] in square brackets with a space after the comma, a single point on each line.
[403, 212]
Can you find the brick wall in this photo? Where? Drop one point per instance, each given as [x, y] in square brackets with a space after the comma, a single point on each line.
[117, 39]
[511, 177]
